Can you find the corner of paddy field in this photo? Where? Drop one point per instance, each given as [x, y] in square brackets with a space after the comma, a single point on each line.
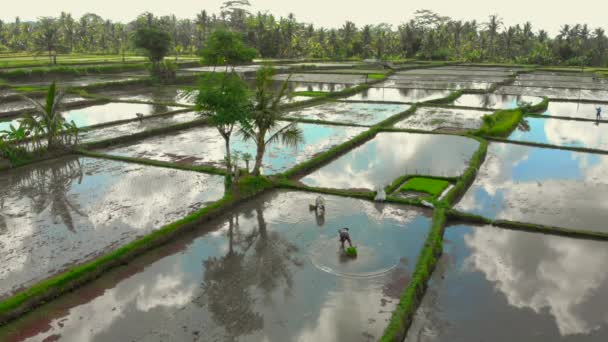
[433, 187]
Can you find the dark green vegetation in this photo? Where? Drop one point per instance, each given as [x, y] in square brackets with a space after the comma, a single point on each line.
[310, 93]
[430, 186]
[155, 42]
[427, 36]
[351, 252]
[501, 123]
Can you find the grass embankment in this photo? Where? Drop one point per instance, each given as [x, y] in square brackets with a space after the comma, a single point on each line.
[310, 93]
[433, 187]
[448, 99]
[376, 76]
[71, 70]
[528, 227]
[38, 294]
[501, 123]
[401, 180]
[412, 296]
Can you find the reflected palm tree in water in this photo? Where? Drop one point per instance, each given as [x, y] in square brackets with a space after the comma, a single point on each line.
[48, 185]
[231, 281]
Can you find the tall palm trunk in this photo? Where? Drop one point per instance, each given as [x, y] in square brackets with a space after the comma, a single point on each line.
[259, 156]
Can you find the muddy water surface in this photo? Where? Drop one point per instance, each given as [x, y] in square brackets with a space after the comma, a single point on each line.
[576, 109]
[69, 210]
[390, 155]
[399, 95]
[432, 118]
[268, 271]
[204, 145]
[557, 93]
[539, 185]
[115, 131]
[114, 111]
[501, 285]
[323, 78]
[563, 133]
[352, 113]
[494, 101]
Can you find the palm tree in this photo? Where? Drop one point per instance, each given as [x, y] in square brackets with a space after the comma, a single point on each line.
[493, 25]
[266, 118]
[51, 120]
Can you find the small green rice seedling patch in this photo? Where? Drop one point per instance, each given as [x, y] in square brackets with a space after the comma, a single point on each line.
[430, 186]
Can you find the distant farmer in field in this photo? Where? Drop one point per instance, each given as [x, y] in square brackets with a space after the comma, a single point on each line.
[598, 113]
[344, 236]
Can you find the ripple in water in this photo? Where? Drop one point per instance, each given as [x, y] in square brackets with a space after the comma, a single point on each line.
[327, 256]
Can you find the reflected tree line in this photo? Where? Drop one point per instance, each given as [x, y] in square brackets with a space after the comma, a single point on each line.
[257, 263]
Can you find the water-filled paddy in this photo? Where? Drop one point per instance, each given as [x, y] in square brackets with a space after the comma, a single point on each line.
[494, 101]
[205, 146]
[11, 107]
[563, 133]
[502, 285]
[323, 78]
[114, 111]
[81, 81]
[115, 131]
[350, 112]
[432, 118]
[390, 155]
[267, 271]
[543, 186]
[575, 109]
[557, 93]
[58, 213]
[443, 84]
[399, 95]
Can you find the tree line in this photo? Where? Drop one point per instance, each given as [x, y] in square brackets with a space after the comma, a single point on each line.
[427, 35]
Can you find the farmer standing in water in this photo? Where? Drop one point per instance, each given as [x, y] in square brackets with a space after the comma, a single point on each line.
[598, 113]
[344, 236]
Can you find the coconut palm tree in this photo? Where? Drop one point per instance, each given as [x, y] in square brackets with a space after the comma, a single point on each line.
[266, 119]
[51, 121]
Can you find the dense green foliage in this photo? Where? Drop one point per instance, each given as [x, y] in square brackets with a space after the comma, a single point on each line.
[430, 186]
[423, 34]
[501, 123]
[226, 48]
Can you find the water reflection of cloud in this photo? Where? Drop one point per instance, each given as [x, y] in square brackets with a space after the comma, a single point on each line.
[544, 272]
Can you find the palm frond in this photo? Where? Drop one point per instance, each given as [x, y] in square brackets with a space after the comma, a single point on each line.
[290, 136]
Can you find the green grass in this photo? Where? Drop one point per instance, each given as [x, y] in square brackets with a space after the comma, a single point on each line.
[501, 123]
[448, 99]
[468, 176]
[376, 76]
[430, 186]
[311, 93]
[351, 252]
[410, 299]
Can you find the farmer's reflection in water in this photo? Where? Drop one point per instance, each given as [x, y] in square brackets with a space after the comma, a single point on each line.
[258, 263]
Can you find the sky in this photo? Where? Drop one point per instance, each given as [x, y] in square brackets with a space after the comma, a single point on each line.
[546, 14]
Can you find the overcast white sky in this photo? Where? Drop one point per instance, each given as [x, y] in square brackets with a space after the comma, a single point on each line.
[546, 14]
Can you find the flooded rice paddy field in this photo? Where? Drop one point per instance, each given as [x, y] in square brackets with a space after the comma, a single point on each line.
[205, 146]
[558, 132]
[573, 94]
[435, 118]
[351, 112]
[121, 130]
[269, 270]
[398, 95]
[494, 284]
[104, 113]
[14, 107]
[573, 109]
[495, 101]
[59, 213]
[390, 155]
[540, 185]
[323, 78]
[81, 81]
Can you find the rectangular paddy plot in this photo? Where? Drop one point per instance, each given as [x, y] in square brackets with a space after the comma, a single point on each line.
[269, 270]
[165, 93]
[389, 156]
[438, 118]
[454, 84]
[561, 80]
[205, 146]
[501, 285]
[352, 113]
[322, 78]
[81, 81]
[575, 109]
[398, 95]
[557, 93]
[102, 114]
[560, 132]
[494, 101]
[59, 213]
[542, 186]
[120, 130]
[13, 107]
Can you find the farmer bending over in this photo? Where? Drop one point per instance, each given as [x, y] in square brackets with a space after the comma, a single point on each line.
[344, 236]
